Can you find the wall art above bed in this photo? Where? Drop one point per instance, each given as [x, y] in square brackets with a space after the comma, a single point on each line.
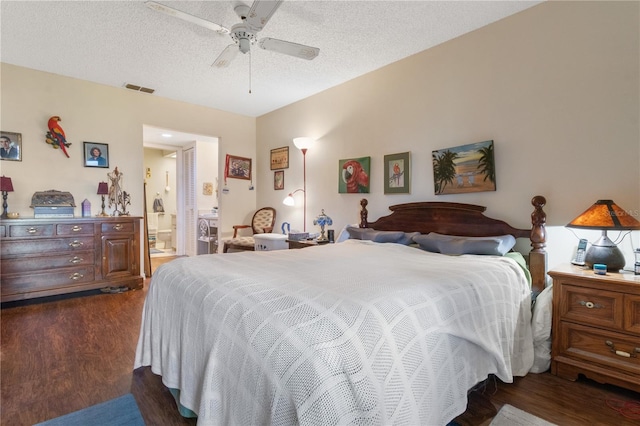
[354, 175]
[397, 173]
[464, 168]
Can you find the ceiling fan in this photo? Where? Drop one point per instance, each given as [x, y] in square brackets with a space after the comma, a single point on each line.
[243, 34]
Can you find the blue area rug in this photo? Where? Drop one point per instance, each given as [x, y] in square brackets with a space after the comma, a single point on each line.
[155, 251]
[122, 411]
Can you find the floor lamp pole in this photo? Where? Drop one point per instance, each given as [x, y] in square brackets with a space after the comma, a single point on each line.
[304, 189]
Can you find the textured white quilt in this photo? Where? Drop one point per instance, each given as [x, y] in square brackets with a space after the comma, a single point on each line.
[349, 333]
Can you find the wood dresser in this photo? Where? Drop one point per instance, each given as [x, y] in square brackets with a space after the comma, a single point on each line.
[44, 257]
[596, 326]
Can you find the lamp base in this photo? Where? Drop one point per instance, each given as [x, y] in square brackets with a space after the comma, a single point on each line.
[604, 251]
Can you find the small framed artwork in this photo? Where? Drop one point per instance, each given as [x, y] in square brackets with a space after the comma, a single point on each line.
[280, 158]
[238, 167]
[10, 146]
[96, 154]
[354, 175]
[207, 188]
[464, 168]
[397, 173]
[278, 180]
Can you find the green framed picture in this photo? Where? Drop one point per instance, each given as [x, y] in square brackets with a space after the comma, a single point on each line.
[397, 173]
[354, 175]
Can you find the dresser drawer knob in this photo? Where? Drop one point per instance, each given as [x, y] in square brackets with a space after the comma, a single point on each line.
[118, 227]
[76, 276]
[32, 230]
[76, 228]
[76, 243]
[591, 305]
[612, 348]
[76, 259]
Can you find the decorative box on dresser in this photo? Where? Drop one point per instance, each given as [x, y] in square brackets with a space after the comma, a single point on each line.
[596, 326]
[44, 257]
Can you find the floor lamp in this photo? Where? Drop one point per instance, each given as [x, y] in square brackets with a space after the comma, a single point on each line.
[302, 144]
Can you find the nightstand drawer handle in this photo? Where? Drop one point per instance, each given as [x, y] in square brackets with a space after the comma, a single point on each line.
[76, 228]
[76, 259]
[613, 349]
[591, 305]
[32, 230]
[76, 276]
[76, 243]
[117, 227]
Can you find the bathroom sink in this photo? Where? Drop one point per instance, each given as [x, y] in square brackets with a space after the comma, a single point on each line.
[209, 216]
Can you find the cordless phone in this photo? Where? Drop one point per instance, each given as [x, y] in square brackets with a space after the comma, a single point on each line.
[580, 253]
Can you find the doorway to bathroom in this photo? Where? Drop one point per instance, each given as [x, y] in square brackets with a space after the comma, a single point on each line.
[172, 177]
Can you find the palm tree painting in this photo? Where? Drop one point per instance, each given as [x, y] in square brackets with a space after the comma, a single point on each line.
[465, 168]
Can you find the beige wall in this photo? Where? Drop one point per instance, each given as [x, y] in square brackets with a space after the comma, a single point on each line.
[98, 113]
[556, 87]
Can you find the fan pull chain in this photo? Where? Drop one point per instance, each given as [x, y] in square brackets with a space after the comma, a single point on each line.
[250, 72]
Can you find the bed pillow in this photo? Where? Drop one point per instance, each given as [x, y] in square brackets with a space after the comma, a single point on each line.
[455, 244]
[371, 234]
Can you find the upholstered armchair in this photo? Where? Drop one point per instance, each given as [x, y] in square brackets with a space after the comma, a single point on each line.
[262, 222]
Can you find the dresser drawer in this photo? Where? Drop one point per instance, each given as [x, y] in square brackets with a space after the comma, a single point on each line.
[615, 350]
[111, 227]
[46, 245]
[25, 283]
[591, 306]
[40, 263]
[632, 313]
[44, 230]
[74, 229]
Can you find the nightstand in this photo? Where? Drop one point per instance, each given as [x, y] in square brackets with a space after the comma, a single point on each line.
[596, 326]
[298, 244]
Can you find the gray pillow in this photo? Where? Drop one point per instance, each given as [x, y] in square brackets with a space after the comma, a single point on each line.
[455, 244]
[379, 236]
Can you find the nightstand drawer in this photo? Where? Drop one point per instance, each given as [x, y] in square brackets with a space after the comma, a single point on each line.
[632, 313]
[602, 347]
[589, 306]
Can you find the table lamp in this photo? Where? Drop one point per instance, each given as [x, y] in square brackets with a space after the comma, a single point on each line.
[103, 189]
[5, 186]
[606, 216]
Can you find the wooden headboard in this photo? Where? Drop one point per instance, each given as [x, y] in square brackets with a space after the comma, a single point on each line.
[468, 220]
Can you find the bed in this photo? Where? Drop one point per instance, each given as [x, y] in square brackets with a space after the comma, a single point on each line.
[357, 332]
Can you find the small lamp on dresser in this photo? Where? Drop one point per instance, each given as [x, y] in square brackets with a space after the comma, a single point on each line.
[103, 189]
[6, 186]
[605, 215]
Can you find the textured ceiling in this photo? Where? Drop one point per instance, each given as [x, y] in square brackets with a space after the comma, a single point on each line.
[120, 42]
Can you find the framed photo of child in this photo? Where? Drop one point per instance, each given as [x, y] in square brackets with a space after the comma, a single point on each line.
[96, 154]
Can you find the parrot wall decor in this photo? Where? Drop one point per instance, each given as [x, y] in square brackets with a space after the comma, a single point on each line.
[354, 175]
[56, 137]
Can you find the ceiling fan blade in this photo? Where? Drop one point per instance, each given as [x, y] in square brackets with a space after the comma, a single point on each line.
[186, 17]
[260, 13]
[289, 48]
[228, 54]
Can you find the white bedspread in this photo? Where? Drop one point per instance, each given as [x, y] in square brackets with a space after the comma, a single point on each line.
[349, 333]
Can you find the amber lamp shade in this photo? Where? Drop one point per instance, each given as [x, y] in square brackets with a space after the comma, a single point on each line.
[103, 189]
[605, 215]
[6, 186]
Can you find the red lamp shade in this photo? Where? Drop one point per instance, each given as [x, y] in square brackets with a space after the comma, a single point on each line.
[5, 184]
[103, 188]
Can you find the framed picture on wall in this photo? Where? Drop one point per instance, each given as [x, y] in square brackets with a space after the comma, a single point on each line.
[280, 158]
[238, 167]
[354, 175]
[10, 146]
[464, 168]
[278, 180]
[397, 173]
[96, 154]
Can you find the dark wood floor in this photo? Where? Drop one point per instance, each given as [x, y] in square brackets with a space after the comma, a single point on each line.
[63, 355]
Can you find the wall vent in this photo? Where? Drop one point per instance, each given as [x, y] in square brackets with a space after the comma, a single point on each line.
[139, 88]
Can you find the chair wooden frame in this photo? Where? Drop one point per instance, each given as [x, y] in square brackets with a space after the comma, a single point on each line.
[244, 245]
